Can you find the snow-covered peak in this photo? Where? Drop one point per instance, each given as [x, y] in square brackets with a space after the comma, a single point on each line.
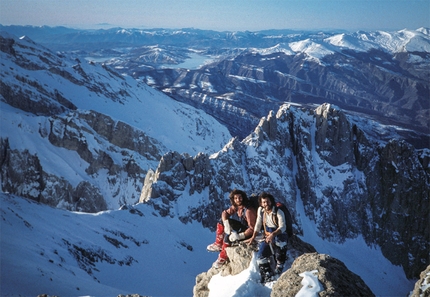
[361, 41]
[358, 42]
[425, 31]
[398, 41]
[312, 48]
[279, 48]
[390, 41]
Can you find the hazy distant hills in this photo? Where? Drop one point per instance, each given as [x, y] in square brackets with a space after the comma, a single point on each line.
[244, 75]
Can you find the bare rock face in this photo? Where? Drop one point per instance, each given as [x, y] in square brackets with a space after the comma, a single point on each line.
[333, 275]
[333, 135]
[22, 172]
[422, 286]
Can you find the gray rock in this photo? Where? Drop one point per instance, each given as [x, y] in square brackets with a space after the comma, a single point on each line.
[336, 279]
[422, 286]
[333, 275]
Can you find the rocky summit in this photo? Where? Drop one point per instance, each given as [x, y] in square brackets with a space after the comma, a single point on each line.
[333, 275]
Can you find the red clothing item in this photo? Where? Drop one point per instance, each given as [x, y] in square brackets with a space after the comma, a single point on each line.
[247, 214]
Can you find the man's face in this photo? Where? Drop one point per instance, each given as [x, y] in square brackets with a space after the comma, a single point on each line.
[266, 204]
[238, 199]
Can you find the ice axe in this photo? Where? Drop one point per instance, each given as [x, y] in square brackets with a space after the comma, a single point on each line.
[271, 248]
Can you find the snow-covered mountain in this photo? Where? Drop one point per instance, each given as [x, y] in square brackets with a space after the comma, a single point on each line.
[80, 127]
[45, 250]
[390, 41]
[79, 136]
[382, 75]
[243, 75]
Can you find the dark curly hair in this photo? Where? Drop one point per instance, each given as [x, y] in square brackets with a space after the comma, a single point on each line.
[266, 195]
[245, 200]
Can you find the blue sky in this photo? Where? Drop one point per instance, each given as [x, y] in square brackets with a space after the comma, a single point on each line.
[220, 15]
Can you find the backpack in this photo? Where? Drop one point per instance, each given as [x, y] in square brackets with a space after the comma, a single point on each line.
[288, 219]
[253, 202]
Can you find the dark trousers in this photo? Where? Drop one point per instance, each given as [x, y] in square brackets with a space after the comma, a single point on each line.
[235, 225]
[279, 247]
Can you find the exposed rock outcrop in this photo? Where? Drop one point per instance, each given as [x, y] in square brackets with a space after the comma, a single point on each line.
[19, 170]
[240, 258]
[23, 174]
[333, 275]
[422, 286]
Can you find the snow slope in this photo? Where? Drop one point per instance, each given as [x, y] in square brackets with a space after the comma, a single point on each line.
[137, 252]
[178, 126]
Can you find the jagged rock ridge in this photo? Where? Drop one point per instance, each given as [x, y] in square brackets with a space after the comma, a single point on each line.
[349, 182]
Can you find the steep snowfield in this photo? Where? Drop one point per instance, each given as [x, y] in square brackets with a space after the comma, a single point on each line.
[53, 251]
[178, 126]
[141, 252]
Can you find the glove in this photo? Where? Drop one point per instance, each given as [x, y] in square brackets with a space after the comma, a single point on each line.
[227, 228]
[234, 236]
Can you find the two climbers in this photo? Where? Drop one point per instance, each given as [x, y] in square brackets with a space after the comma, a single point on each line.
[241, 222]
[237, 223]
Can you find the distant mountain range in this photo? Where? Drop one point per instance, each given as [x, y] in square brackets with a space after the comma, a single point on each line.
[379, 75]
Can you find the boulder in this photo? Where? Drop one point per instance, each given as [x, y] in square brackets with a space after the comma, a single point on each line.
[333, 275]
[422, 286]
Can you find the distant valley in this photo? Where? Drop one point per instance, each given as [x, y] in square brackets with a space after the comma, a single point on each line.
[243, 75]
